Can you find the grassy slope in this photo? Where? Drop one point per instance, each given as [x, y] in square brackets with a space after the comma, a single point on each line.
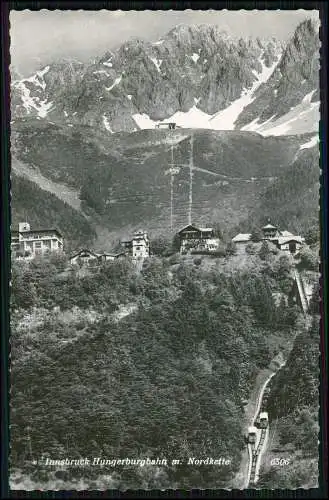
[124, 178]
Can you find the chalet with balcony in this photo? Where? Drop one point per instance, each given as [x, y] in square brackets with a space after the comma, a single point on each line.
[27, 243]
[194, 238]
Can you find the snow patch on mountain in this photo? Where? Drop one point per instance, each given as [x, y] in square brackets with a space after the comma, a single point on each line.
[108, 62]
[29, 102]
[254, 126]
[115, 83]
[311, 143]
[107, 124]
[101, 72]
[157, 63]
[194, 118]
[143, 121]
[195, 57]
[38, 79]
[307, 99]
[301, 119]
[225, 119]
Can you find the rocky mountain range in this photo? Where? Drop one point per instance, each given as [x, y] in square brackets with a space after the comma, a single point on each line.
[76, 129]
[191, 75]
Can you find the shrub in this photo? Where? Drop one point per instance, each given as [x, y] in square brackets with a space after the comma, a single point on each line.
[256, 235]
[308, 259]
[251, 249]
[264, 251]
[231, 248]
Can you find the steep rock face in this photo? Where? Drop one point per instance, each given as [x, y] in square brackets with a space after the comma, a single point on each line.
[45, 91]
[295, 78]
[190, 65]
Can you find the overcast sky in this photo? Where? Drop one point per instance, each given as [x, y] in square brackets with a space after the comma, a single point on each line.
[39, 37]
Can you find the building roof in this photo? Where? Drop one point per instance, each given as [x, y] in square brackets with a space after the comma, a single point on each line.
[84, 250]
[287, 239]
[269, 226]
[285, 233]
[263, 414]
[33, 231]
[190, 227]
[205, 229]
[252, 429]
[140, 237]
[112, 254]
[241, 237]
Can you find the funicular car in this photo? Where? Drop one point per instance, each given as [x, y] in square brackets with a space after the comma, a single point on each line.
[252, 433]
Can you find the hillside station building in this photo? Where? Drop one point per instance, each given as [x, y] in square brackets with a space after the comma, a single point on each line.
[26, 243]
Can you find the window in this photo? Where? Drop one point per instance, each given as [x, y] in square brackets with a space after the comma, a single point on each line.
[37, 244]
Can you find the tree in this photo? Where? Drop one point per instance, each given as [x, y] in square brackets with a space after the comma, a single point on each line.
[264, 252]
[176, 243]
[217, 230]
[256, 235]
[284, 267]
[251, 248]
[309, 259]
[231, 248]
[312, 236]
[160, 246]
[314, 305]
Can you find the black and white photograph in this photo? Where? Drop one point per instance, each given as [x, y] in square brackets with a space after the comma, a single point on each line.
[165, 239]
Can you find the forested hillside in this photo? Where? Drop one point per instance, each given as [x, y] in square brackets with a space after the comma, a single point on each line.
[161, 360]
[43, 210]
[291, 201]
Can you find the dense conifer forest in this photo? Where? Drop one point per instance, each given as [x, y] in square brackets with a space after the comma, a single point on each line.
[113, 363]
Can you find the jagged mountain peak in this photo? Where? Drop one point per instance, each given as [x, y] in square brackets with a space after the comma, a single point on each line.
[289, 99]
[191, 75]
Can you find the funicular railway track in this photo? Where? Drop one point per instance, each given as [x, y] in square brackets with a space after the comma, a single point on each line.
[255, 456]
[257, 433]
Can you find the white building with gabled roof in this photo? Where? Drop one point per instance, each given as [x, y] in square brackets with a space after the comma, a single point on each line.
[139, 246]
[242, 238]
[27, 243]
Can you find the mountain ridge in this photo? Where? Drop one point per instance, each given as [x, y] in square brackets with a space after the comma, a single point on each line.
[199, 71]
[142, 77]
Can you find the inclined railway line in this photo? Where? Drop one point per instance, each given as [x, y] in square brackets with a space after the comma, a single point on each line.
[258, 433]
